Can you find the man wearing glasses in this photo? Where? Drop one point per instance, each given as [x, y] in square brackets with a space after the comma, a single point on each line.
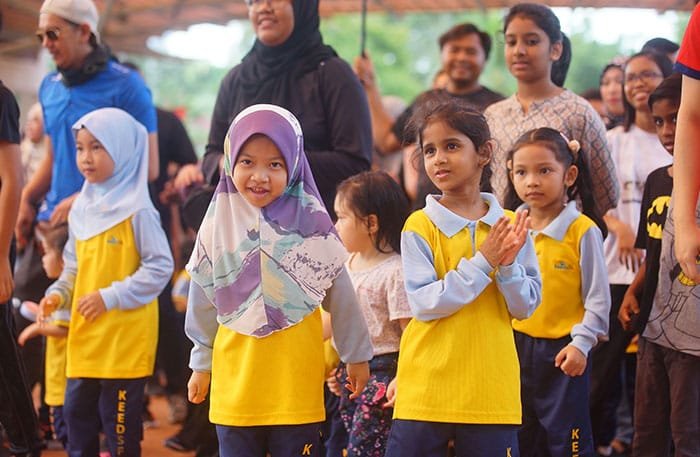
[86, 79]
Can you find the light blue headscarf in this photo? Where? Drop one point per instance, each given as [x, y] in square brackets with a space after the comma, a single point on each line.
[100, 206]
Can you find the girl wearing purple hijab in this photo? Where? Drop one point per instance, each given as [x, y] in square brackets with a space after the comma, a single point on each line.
[267, 255]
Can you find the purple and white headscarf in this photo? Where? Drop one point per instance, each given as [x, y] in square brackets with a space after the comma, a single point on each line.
[265, 269]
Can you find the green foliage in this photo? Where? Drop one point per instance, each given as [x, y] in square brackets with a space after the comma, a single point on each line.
[588, 60]
[681, 23]
[404, 48]
[405, 52]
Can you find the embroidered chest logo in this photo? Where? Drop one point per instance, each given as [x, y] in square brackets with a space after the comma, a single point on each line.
[113, 240]
[561, 265]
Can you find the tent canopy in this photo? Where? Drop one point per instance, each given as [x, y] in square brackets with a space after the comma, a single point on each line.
[127, 24]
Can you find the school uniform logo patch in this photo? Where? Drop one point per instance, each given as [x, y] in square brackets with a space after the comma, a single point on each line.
[114, 240]
[561, 265]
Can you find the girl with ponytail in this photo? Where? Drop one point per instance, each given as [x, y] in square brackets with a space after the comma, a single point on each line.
[538, 54]
[547, 174]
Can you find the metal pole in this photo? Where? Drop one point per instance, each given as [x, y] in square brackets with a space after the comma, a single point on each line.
[363, 29]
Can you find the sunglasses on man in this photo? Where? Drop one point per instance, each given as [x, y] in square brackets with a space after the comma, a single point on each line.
[49, 34]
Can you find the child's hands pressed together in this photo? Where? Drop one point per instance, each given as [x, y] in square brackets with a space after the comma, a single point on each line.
[516, 238]
[91, 306]
[358, 375]
[198, 386]
[47, 305]
[494, 246]
[571, 361]
[504, 240]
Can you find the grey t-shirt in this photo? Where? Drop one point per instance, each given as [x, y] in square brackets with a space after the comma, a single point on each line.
[674, 321]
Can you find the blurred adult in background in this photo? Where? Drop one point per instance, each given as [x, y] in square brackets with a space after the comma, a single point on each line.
[33, 144]
[538, 54]
[16, 410]
[290, 66]
[662, 46]
[464, 51]
[611, 94]
[86, 79]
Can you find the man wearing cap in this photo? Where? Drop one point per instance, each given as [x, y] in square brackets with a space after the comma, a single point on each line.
[86, 79]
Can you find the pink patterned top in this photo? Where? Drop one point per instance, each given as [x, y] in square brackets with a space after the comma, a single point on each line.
[382, 296]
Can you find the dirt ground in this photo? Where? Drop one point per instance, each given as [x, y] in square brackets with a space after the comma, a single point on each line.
[152, 445]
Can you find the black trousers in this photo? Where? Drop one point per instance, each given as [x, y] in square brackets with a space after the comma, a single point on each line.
[16, 409]
[172, 351]
[197, 432]
[606, 361]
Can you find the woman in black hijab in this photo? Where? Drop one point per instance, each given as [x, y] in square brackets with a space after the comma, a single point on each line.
[290, 66]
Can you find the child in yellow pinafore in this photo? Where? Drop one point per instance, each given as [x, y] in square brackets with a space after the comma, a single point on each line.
[548, 175]
[116, 262]
[266, 258]
[53, 240]
[469, 268]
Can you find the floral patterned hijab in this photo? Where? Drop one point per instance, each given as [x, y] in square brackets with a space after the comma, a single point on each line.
[265, 269]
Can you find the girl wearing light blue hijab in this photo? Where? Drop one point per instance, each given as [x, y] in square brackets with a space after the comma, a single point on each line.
[117, 261]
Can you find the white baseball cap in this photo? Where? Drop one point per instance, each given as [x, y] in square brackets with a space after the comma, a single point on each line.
[76, 11]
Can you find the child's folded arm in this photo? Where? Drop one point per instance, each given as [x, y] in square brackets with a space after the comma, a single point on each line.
[349, 327]
[431, 298]
[56, 331]
[595, 292]
[200, 327]
[61, 317]
[521, 283]
[63, 286]
[156, 269]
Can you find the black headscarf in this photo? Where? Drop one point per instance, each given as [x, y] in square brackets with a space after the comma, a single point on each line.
[266, 74]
